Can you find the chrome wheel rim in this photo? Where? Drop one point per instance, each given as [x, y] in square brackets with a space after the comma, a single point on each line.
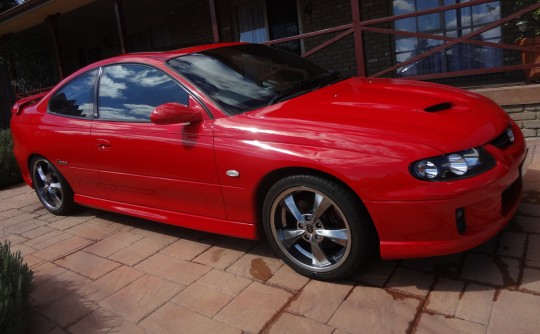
[48, 186]
[310, 229]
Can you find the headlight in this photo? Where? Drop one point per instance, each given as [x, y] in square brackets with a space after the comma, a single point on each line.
[453, 166]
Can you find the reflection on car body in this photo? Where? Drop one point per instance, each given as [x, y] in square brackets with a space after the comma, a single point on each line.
[244, 140]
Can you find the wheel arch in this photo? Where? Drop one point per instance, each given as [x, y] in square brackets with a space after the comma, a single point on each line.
[31, 158]
[274, 176]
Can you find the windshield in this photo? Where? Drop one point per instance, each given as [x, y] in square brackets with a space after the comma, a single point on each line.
[249, 76]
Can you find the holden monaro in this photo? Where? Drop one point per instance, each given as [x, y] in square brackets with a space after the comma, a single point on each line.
[239, 138]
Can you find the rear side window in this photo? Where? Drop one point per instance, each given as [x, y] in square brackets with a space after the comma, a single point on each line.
[129, 92]
[76, 99]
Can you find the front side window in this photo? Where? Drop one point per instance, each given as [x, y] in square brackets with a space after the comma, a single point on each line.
[76, 99]
[129, 92]
[452, 23]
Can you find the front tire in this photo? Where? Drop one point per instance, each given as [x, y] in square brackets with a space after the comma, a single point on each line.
[51, 188]
[317, 226]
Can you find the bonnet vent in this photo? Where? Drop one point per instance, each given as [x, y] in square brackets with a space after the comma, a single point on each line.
[439, 107]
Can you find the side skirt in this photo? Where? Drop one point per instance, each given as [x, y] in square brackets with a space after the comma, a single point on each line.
[212, 225]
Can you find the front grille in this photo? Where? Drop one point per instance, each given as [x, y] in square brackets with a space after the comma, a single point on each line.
[505, 139]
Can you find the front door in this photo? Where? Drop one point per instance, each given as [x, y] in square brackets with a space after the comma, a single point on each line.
[168, 167]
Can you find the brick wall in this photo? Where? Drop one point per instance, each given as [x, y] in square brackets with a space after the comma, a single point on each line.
[378, 48]
[527, 116]
[521, 102]
[191, 24]
[318, 15]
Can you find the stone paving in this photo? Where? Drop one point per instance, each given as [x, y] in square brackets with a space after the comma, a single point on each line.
[97, 272]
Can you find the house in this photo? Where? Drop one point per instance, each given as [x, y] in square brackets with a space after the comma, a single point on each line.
[450, 41]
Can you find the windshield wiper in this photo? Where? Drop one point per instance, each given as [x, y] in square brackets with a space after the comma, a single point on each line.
[305, 86]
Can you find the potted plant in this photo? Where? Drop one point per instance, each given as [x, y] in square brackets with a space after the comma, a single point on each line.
[529, 26]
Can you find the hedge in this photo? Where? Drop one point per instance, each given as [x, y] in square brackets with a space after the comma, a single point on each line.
[10, 173]
[15, 289]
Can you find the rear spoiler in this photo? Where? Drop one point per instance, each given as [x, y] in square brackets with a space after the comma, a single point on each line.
[25, 102]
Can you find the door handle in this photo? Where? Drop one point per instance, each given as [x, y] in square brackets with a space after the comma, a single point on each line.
[103, 145]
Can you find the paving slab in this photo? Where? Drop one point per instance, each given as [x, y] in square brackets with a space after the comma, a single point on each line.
[290, 323]
[142, 297]
[254, 307]
[436, 323]
[378, 310]
[319, 300]
[98, 272]
[515, 312]
[173, 318]
[445, 297]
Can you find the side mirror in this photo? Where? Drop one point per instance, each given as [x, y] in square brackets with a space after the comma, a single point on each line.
[175, 113]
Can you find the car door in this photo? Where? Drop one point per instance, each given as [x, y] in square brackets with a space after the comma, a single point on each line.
[169, 167]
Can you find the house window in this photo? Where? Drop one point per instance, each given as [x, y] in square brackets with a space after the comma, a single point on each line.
[451, 23]
[260, 21]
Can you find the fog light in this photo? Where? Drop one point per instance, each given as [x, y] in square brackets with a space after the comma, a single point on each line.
[460, 221]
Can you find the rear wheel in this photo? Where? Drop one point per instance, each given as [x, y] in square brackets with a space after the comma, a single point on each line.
[317, 226]
[52, 189]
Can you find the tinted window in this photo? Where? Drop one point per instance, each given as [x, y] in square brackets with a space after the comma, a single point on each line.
[76, 98]
[249, 76]
[130, 92]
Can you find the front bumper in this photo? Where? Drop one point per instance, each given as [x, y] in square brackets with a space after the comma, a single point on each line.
[429, 227]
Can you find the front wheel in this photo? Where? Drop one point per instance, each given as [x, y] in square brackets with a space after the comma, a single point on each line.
[52, 189]
[317, 226]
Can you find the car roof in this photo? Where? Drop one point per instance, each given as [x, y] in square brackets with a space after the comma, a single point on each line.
[141, 56]
[166, 55]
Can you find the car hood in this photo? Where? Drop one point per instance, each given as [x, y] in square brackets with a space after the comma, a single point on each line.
[444, 118]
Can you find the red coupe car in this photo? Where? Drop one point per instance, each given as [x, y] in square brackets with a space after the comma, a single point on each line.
[239, 138]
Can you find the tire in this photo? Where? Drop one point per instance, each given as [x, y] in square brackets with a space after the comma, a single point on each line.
[51, 188]
[318, 227]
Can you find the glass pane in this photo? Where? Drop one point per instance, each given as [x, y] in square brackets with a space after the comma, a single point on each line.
[431, 21]
[131, 92]
[251, 23]
[406, 24]
[492, 35]
[76, 98]
[283, 22]
[406, 45]
[450, 19]
[465, 17]
[403, 7]
[486, 13]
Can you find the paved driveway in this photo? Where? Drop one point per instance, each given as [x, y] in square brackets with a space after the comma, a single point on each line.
[97, 272]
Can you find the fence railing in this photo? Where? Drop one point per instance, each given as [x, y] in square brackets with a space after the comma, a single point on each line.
[357, 28]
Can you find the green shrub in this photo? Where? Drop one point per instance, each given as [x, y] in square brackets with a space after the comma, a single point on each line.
[9, 171]
[15, 289]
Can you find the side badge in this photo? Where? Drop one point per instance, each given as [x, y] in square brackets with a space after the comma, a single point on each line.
[232, 173]
[61, 162]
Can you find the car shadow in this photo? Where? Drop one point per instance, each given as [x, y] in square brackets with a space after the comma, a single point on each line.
[496, 264]
[58, 305]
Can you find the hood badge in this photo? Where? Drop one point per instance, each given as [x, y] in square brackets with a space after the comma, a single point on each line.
[232, 173]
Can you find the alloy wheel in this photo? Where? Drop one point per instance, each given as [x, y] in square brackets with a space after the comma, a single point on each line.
[310, 229]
